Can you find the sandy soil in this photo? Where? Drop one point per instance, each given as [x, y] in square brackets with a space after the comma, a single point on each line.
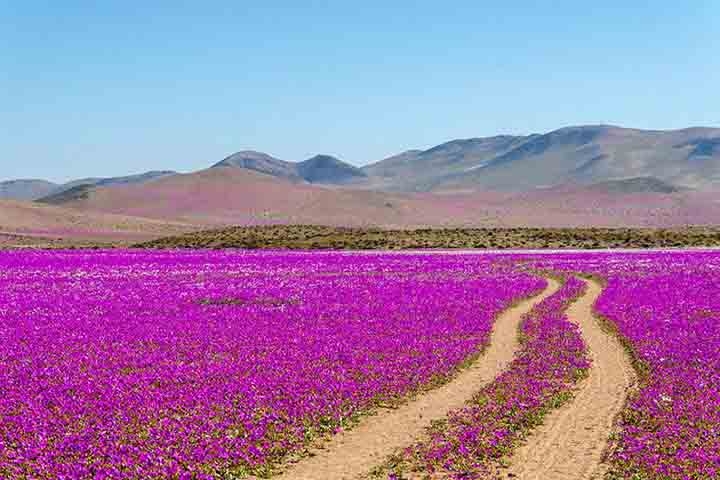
[571, 442]
[354, 453]
[41, 224]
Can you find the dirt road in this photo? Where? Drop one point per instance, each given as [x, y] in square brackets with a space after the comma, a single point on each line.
[354, 453]
[571, 442]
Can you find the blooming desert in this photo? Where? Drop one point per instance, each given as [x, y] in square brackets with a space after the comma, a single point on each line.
[123, 364]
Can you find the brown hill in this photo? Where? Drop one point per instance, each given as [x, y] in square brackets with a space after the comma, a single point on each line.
[237, 196]
[225, 195]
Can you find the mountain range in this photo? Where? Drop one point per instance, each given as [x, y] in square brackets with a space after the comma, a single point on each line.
[576, 176]
[35, 189]
[320, 169]
[585, 155]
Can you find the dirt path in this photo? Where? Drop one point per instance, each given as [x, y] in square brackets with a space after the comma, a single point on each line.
[571, 442]
[354, 453]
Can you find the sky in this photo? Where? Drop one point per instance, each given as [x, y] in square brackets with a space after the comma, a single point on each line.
[109, 88]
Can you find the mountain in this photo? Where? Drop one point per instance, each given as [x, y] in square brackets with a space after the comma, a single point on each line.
[260, 162]
[326, 169]
[322, 169]
[62, 196]
[106, 182]
[26, 189]
[576, 176]
[635, 185]
[80, 188]
[419, 170]
[49, 192]
[219, 196]
[584, 155]
[133, 179]
[239, 196]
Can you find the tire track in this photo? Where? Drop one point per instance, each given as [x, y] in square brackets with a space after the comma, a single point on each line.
[354, 453]
[572, 440]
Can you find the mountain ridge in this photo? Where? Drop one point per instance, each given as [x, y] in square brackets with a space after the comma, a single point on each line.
[686, 158]
[42, 190]
[26, 189]
[321, 168]
[581, 154]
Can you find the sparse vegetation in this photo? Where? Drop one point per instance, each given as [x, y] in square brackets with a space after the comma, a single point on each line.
[309, 237]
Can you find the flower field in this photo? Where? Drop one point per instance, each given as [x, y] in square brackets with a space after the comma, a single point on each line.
[121, 364]
[124, 364]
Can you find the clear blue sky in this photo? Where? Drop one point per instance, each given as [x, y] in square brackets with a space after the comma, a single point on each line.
[116, 87]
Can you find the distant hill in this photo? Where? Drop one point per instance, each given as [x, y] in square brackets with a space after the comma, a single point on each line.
[78, 192]
[49, 192]
[420, 170]
[262, 163]
[636, 185]
[78, 189]
[321, 169]
[26, 189]
[328, 170]
[602, 176]
[106, 182]
[239, 196]
[578, 155]
[134, 179]
[582, 155]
